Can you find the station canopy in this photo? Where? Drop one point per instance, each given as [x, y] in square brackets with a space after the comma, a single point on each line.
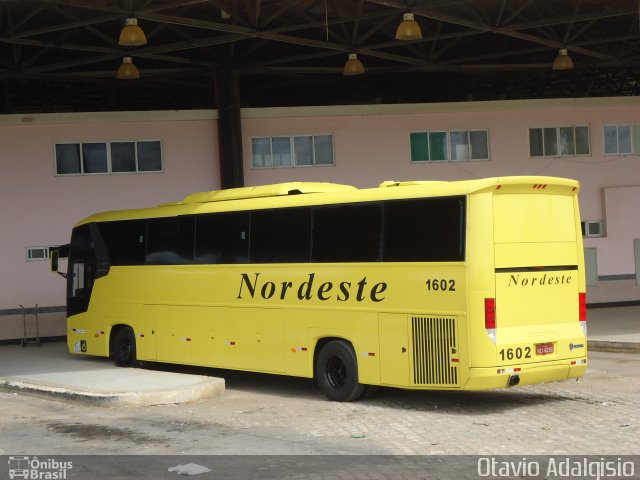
[64, 55]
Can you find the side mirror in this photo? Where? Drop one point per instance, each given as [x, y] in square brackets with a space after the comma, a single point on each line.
[55, 253]
[54, 257]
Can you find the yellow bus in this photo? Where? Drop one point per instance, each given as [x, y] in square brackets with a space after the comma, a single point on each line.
[469, 285]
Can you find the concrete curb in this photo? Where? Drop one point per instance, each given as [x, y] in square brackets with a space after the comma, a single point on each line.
[612, 346]
[204, 389]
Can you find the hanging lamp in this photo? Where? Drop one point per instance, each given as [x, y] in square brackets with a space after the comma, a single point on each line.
[353, 66]
[408, 28]
[563, 61]
[131, 34]
[128, 69]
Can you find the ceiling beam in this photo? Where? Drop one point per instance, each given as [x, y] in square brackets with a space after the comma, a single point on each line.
[510, 31]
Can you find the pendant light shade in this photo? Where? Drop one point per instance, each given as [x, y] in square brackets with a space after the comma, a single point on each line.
[353, 66]
[131, 34]
[408, 28]
[128, 69]
[563, 61]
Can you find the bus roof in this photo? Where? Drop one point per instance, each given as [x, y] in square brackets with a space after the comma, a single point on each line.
[294, 194]
[275, 190]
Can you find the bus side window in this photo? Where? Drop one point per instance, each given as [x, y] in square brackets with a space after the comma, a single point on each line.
[222, 238]
[170, 241]
[347, 233]
[424, 230]
[125, 241]
[280, 236]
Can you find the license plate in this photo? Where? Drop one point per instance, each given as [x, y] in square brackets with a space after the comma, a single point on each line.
[544, 348]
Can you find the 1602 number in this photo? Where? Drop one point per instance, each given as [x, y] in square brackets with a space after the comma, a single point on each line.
[511, 353]
[441, 284]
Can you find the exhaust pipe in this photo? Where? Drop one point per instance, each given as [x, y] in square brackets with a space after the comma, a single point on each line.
[513, 380]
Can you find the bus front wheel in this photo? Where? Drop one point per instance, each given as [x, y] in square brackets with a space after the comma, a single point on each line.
[337, 372]
[124, 348]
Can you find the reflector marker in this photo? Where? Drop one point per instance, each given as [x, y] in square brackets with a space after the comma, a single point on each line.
[368, 354]
[579, 362]
[509, 370]
[298, 349]
[230, 343]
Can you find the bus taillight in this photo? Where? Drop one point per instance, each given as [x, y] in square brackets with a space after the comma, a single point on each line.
[490, 317]
[582, 311]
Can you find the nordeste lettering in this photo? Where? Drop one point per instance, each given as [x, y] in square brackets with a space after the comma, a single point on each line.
[255, 287]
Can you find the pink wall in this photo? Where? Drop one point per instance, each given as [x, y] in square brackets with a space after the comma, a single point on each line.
[39, 208]
[372, 144]
[371, 148]
[622, 207]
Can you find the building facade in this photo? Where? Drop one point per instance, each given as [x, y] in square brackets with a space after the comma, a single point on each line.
[59, 168]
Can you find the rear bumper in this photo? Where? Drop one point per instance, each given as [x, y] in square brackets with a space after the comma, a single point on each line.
[491, 378]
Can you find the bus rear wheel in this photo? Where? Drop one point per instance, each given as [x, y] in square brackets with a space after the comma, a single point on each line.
[124, 348]
[336, 372]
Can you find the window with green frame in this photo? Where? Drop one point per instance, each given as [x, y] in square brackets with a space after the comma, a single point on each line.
[454, 145]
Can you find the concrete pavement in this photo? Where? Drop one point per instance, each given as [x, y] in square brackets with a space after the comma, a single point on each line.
[50, 370]
[615, 329]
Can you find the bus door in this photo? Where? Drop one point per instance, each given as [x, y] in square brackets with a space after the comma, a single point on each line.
[84, 267]
[81, 274]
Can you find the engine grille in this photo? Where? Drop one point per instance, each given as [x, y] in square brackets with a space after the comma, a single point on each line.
[435, 349]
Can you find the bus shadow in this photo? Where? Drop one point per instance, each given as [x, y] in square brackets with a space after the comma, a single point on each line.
[464, 402]
[249, 382]
[450, 402]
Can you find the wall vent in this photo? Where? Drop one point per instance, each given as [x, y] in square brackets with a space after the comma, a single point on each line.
[34, 254]
[592, 228]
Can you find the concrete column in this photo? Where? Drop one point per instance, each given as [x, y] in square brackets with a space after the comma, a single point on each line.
[229, 128]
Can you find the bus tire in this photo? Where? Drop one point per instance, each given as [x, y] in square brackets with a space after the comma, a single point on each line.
[124, 348]
[336, 372]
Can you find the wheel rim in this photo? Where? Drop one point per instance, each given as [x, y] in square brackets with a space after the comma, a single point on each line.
[336, 372]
